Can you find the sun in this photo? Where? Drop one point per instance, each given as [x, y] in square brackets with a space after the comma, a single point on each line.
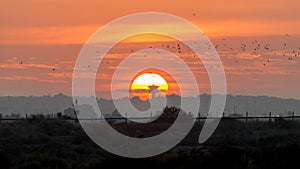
[141, 85]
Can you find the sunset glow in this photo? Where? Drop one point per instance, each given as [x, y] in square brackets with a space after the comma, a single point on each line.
[140, 85]
[258, 43]
[149, 84]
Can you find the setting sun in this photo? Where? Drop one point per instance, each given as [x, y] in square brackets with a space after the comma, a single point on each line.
[141, 85]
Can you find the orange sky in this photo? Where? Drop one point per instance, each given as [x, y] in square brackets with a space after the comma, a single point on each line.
[66, 22]
[49, 34]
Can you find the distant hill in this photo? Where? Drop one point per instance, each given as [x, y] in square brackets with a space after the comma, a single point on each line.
[255, 105]
[34, 104]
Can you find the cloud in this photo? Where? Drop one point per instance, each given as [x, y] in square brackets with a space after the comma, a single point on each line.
[23, 66]
[21, 78]
[248, 56]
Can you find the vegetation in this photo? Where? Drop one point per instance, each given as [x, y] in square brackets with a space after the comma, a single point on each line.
[57, 143]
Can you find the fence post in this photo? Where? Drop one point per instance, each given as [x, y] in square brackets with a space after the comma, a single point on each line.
[246, 117]
[270, 117]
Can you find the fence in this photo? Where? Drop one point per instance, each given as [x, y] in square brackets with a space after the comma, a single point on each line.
[199, 118]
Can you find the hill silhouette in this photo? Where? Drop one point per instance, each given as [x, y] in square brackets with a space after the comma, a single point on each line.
[255, 105]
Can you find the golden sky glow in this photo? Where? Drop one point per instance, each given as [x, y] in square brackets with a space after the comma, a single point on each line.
[50, 34]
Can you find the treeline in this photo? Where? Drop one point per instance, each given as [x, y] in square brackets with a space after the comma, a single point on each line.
[68, 113]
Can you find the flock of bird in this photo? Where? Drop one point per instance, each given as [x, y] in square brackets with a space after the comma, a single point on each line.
[253, 48]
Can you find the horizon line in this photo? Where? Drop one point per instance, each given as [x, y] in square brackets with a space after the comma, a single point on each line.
[201, 94]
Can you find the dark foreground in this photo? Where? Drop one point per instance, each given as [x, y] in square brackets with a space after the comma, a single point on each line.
[41, 143]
